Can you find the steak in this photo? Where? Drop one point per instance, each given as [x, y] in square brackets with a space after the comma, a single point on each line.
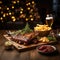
[26, 38]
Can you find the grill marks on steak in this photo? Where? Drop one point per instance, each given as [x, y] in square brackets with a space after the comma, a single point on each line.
[26, 38]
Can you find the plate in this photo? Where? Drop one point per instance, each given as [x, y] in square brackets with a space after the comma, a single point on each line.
[46, 49]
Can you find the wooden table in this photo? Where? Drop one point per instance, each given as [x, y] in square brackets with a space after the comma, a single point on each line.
[26, 55]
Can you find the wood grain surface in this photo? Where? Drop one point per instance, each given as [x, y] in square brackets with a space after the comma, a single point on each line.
[26, 55]
[21, 46]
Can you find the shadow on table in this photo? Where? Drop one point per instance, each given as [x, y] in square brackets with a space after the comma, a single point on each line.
[52, 54]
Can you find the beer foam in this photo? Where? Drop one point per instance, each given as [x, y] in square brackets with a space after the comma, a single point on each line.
[48, 18]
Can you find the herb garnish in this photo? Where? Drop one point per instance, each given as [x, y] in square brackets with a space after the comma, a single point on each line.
[51, 38]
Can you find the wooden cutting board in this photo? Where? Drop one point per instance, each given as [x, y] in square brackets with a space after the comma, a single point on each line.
[21, 46]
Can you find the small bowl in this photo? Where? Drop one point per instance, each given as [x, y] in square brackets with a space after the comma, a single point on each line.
[40, 51]
[8, 45]
[44, 33]
[43, 30]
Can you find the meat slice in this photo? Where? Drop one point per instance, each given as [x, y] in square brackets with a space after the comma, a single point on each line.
[26, 38]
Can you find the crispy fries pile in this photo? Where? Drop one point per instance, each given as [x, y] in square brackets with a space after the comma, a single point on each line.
[42, 28]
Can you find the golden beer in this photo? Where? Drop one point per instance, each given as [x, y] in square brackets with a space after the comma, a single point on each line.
[49, 21]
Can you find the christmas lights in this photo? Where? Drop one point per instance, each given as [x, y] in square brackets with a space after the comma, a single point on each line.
[4, 15]
[7, 8]
[27, 19]
[0, 7]
[1, 12]
[19, 10]
[9, 13]
[14, 19]
[32, 19]
[14, 2]
[18, 1]
[1, 18]
[33, 2]
[12, 7]
[0, 2]
[28, 8]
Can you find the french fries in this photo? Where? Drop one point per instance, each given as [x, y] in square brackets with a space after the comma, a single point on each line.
[42, 28]
[44, 40]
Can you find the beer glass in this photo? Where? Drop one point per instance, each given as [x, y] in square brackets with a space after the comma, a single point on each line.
[49, 20]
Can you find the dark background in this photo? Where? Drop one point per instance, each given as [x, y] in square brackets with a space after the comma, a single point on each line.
[44, 7]
[50, 6]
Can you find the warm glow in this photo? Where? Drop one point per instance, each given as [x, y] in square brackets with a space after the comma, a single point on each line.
[12, 7]
[30, 15]
[32, 2]
[25, 10]
[31, 10]
[21, 12]
[18, 1]
[1, 18]
[24, 16]
[28, 8]
[1, 12]
[21, 9]
[13, 17]
[26, 19]
[7, 8]
[32, 19]
[38, 16]
[29, 3]
[0, 2]
[4, 15]
[14, 2]
[0, 7]
[9, 13]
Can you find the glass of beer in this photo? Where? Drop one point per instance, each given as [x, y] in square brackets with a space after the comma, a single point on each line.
[49, 20]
